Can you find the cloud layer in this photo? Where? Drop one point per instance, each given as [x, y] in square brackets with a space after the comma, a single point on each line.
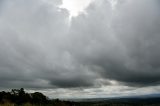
[41, 48]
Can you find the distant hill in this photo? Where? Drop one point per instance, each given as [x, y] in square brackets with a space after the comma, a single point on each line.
[141, 100]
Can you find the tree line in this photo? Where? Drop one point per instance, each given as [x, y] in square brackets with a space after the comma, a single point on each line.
[20, 97]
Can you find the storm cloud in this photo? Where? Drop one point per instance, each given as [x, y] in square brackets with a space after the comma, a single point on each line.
[120, 44]
[42, 48]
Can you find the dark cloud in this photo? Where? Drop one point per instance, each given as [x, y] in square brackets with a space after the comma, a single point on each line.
[39, 48]
[72, 82]
[137, 28]
[121, 44]
[33, 42]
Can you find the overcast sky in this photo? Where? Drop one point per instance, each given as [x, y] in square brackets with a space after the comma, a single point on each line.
[92, 48]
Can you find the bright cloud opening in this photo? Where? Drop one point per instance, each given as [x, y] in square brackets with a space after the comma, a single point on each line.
[75, 6]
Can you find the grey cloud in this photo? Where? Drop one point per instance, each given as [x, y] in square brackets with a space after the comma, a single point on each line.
[39, 48]
[123, 44]
[33, 45]
[73, 82]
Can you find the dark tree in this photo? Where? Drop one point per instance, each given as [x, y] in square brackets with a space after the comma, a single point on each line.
[38, 97]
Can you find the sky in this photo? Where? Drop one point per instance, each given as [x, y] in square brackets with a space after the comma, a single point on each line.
[80, 49]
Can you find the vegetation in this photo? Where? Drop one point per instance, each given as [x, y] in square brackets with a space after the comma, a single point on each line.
[18, 97]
